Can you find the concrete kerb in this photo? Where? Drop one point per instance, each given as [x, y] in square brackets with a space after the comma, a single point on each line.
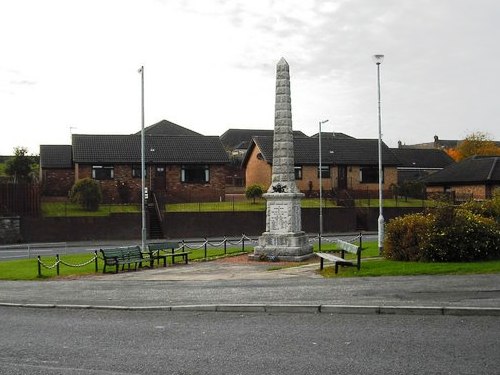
[284, 308]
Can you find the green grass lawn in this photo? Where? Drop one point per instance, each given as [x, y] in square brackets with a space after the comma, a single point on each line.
[65, 209]
[260, 205]
[27, 269]
[371, 265]
[383, 267]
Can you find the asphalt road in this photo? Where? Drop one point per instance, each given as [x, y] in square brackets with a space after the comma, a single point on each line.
[32, 250]
[43, 341]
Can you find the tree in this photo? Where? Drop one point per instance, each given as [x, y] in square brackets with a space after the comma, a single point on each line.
[21, 166]
[87, 193]
[477, 143]
[254, 191]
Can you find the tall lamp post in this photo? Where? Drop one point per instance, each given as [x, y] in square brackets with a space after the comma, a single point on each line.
[378, 60]
[320, 186]
[143, 166]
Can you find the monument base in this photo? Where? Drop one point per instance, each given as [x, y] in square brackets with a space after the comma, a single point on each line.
[293, 247]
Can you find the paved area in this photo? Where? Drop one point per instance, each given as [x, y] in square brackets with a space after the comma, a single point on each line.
[219, 286]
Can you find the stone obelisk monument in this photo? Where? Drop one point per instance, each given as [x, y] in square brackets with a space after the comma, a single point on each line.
[283, 238]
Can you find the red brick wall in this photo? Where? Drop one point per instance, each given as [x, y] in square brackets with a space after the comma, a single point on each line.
[175, 190]
[178, 191]
[57, 182]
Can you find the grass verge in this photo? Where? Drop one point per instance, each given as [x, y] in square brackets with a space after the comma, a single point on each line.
[65, 209]
[383, 267]
[27, 269]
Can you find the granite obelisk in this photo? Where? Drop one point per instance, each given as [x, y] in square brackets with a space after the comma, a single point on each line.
[283, 238]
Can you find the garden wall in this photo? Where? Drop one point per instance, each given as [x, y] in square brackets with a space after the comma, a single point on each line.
[184, 225]
[10, 229]
[55, 229]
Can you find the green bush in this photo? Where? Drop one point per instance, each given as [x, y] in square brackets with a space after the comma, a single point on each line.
[254, 191]
[461, 236]
[445, 234]
[405, 237]
[87, 193]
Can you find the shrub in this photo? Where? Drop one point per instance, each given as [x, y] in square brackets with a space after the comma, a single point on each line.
[460, 236]
[87, 193]
[446, 234]
[405, 237]
[254, 191]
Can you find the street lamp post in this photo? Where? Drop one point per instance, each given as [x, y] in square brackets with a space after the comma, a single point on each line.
[143, 166]
[320, 186]
[378, 60]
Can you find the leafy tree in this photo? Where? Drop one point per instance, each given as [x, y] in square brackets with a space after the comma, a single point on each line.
[87, 193]
[477, 143]
[21, 166]
[254, 191]
[453, 153]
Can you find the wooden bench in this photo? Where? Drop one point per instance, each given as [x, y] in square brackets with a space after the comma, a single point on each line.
[340, 261]
[121, 256]
[155, 248]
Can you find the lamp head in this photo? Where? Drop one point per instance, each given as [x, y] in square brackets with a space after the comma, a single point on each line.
[378, 59]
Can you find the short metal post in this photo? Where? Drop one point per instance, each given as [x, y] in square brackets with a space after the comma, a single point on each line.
[205, 247]
[96, 261]
[243, 243]
[39, 267]
[57, 264]
[225, 246]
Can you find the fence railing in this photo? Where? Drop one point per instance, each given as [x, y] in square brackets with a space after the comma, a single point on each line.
[222, 246]
[59, 261]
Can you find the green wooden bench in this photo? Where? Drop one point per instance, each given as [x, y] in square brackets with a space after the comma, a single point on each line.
[170, 249]
[121, 256]
[340, 261]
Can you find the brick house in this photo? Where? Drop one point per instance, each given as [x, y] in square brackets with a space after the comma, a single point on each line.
[476, 177]
[348, 164]
[180, 167]
[57, 174]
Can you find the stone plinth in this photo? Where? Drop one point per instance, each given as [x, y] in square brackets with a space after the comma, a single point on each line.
[283, 238]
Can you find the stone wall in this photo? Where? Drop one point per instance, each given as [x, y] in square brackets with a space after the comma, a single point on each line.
[10, 229]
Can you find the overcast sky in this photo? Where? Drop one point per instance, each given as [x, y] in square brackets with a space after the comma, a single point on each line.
[71, 66]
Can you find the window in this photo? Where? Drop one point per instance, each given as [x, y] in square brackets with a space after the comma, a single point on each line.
[195, 173]
[136, 171]
[103, 172]
[369, 175]
[325, 171]
[298, 172]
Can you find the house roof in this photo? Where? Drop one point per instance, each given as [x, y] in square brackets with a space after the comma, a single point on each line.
[348, 151]
[241, 138]
[422, 157]
[158, 149]
[476, 169]
[55, 156]
[165, 127]
[330, 135]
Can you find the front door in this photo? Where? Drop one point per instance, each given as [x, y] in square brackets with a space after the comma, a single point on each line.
[342, 177]
[159, 180]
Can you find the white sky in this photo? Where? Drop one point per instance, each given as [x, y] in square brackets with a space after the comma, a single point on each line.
[210, 66]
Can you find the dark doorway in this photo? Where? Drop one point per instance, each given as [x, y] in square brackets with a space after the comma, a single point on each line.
[342, 177]
[159, 181]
